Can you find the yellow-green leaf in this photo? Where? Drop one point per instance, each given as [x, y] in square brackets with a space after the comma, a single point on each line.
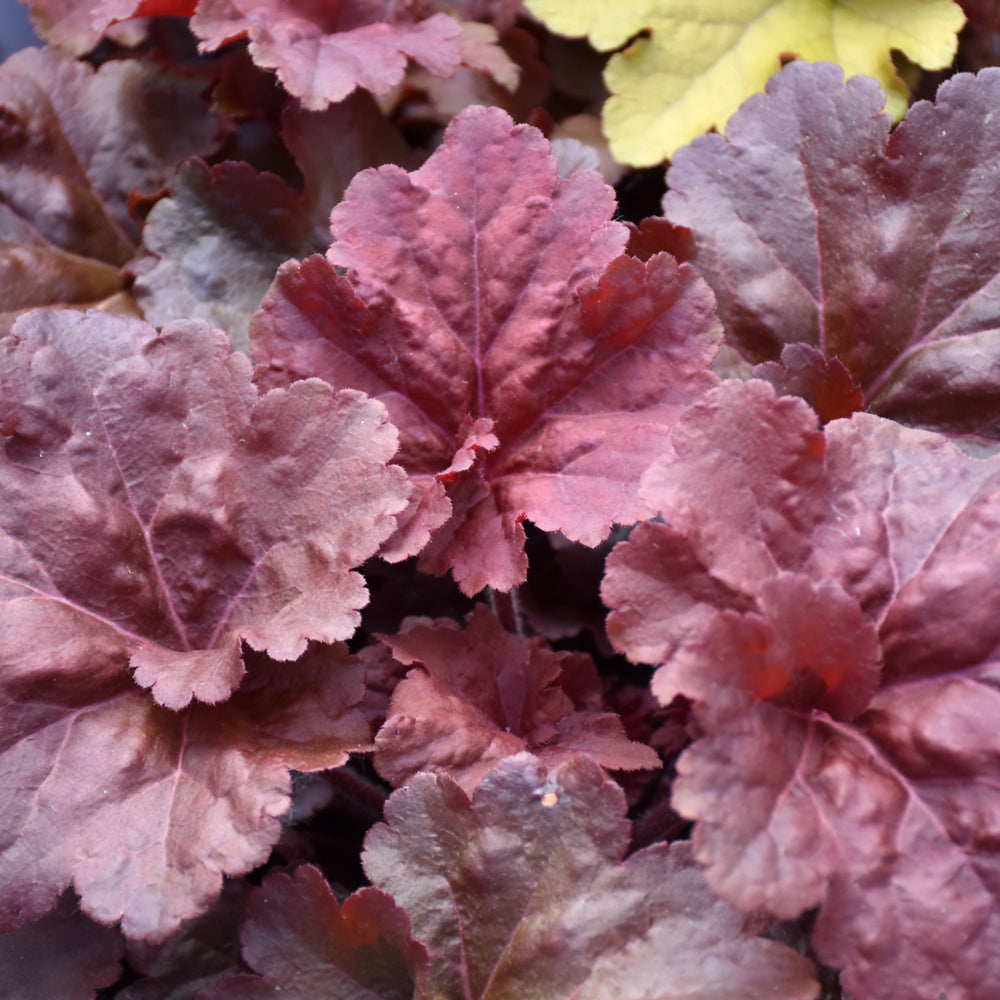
[697, 60]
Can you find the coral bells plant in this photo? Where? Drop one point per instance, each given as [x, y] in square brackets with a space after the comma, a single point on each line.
[445, 553]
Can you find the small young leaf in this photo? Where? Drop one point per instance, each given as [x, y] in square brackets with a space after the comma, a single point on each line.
[481, 694]
[306, 946]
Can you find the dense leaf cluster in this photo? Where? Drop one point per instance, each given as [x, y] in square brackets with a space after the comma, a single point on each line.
[416, 580]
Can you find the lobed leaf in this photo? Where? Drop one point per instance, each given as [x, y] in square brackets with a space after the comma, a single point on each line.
[816, 226]
[219, 238]
[481, 694]
[522, 893]
[530, 368]
[75, 145]
[691, 67]
[306, 946]
[143, 808]
[154, 506]
[822, 597]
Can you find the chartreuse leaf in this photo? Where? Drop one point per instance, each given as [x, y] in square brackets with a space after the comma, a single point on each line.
[696, 62]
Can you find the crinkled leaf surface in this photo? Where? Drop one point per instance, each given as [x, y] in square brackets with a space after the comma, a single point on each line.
[482, 694]
[521, 893]
[64, 954]
[827, 599]
[530, 368]
[306, 946]
[74, 144]
[322, 52]
[814, 224]
[145, 809]
[154, 508]
[693, 65]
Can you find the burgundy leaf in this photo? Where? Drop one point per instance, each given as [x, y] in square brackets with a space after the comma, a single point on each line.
[482, 292]
[655, 235]
[154, 509]
[306, 946]
[522, 893]
[64, 955]
[814, 224]
[826, 600]
[145, 809]
[824, 383]
[482, 694]
[75, 144]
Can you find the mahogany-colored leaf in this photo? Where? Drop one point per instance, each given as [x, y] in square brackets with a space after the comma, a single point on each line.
[75, 144]
[143, 808]
[63, 954]
[306, 946]
[522, 893]
[322, 53]
[482, 694]
[655, 235]
[814, 224]
[824, 383]
[220, 237]
[481, 287]
[155, 510]
[834, 769]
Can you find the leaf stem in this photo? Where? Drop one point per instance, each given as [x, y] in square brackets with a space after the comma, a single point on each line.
[506, 605]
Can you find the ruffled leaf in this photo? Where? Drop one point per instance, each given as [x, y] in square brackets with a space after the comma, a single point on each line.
[155, 509]
[486, 300]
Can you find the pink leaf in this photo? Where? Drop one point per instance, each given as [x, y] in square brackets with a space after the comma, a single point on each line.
[482, 694]
[145, 809]
[814, 224]
[522, 892]
[156, 508]
[322, 54]
[482, 287]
